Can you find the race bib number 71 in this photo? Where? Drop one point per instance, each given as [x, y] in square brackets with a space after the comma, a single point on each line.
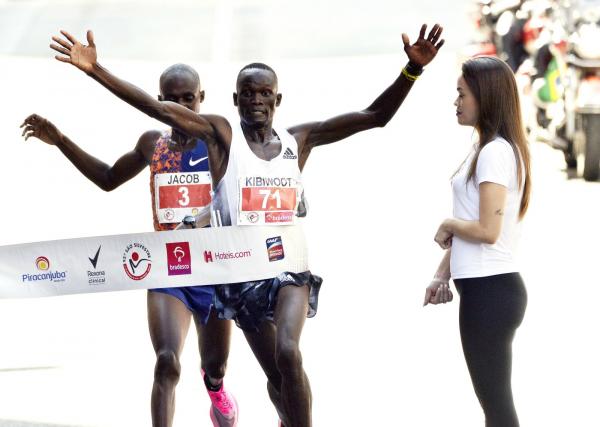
[263, 204]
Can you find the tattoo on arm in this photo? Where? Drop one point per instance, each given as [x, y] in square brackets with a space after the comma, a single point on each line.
[499, 212]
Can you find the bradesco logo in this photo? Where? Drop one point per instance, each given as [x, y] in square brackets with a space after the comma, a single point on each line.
[137, 261]
[42, 263]
[271, 217]
[210, 256]
[179, 258]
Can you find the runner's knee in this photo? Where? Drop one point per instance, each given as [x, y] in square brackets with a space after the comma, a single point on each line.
[167, 366]
[288, 357]
[214, 366]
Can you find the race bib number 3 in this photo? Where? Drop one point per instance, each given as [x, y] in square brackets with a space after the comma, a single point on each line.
[268, 205]
[181, 194]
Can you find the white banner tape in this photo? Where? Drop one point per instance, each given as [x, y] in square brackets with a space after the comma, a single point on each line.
[150, 260]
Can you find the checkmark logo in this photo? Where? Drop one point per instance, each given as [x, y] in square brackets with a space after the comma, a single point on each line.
[195, 162]
[94, 260]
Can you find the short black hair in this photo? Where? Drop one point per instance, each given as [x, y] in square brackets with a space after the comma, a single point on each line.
[257, 66]
[177, 69]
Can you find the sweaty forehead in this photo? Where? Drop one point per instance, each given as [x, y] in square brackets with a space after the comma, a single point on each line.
[256, 77]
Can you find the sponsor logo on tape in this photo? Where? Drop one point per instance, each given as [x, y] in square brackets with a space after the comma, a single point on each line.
[96, 277]
[42, 263]
[179, 258]
[275, 248]
[210, 256]
[137, 261]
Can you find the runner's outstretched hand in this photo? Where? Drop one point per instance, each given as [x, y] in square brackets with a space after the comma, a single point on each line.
[75, 53]
[40, 128]
[424, 49]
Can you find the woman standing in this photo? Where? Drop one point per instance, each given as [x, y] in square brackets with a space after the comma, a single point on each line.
[490, 195]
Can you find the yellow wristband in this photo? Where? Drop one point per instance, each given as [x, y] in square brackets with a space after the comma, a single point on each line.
[410, 77]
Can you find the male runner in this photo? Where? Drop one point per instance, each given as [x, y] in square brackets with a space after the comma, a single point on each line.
[168, 154]
[238, 155]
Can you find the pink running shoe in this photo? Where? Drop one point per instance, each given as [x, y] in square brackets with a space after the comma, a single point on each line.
[224, 409]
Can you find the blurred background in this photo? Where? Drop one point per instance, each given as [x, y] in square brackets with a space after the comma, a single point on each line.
[373, 354]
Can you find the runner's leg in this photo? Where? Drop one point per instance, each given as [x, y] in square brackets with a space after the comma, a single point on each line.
[168, 321]
[290, 315]
[262, 344]
[213, 342]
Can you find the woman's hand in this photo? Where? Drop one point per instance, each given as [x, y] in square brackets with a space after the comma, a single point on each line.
[443, 237]
[438, 292]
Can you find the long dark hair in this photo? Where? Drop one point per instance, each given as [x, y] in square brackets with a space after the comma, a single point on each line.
[493, 84]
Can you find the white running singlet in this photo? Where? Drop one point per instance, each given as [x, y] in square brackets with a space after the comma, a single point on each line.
[259, 192]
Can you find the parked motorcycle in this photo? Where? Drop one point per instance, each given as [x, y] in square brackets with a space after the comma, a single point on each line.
[582, 89]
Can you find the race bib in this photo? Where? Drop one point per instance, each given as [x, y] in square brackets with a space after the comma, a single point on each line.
[268, 200]
[180, 194]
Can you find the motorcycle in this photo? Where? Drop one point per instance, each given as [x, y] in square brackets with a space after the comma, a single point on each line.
[582, 90]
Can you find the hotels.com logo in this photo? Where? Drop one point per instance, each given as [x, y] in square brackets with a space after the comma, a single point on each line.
[179, 258]
[209, 256]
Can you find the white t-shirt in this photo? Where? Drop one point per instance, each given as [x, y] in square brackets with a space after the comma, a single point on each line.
[496, 164]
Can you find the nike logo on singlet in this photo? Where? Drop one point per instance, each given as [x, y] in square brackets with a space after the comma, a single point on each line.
[195, 162]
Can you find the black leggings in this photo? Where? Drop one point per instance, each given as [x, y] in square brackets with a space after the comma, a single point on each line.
[491, 310]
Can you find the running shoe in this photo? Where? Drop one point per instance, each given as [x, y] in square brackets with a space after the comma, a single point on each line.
[224, 409]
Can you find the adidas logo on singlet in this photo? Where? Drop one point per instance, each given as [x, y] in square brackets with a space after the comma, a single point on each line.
[289, 154]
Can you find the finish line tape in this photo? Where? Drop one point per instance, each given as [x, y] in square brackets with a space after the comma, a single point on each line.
[164, 259]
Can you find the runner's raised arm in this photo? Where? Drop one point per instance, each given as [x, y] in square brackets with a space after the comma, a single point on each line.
[380, 112]
[103, 175]
[210, 128]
